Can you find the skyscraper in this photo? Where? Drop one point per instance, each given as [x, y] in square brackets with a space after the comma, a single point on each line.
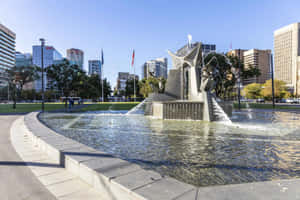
[287, 56]
[237, 53]
[7, 52]
[23, 59]
[51, 56]
[121, 81]
[208, 48]
[259, 59]
[76, 57]
[95, 67]
[157, 68]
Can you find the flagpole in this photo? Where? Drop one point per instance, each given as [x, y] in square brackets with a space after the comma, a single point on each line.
[102, 64]
[102, 82]
[132, 65]
[133, 83]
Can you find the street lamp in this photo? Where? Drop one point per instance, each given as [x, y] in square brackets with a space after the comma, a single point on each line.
[239, 79]
[42, 63]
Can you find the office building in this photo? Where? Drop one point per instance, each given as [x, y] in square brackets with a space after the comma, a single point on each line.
[121, 81]
[259, 59]
[76, 57]
[7, 52]
[23, 59]
[95, 67]
[155, 68]
[237, 53]
[208, 48]
[287, 56]
[51, 56]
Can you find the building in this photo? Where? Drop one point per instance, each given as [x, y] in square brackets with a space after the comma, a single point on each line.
[156, 68]
[259, 59]
[287, 56]
[237, 53]
[121, 81]
[76, 57]
[51, 56]
[7, 52]
[208, 48]
[95, 67]
[23, 59]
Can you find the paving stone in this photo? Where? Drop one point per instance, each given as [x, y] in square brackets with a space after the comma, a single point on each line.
[137, 179]
[103, 162]
[68, 187]
[166, 189]
[119, 170]
[56, 178]
[90, 194]
[190, 195]
[41, 171]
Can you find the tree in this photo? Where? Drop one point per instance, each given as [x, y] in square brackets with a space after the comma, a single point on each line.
[91, 87]
[227, 76]
[253, 91]
[152, 84]
[129, 89]
[18, 77]
[22, 75]
[280, 90]
[65, 77]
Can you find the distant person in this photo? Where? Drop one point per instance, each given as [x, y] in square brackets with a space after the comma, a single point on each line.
[70, 102]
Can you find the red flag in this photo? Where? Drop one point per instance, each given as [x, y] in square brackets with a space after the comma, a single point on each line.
[132, 63]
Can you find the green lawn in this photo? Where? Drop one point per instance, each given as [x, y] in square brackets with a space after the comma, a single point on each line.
[266, 106]
[29, 107]
[109, 106]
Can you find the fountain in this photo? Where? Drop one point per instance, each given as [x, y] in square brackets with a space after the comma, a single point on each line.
[260, 146]
[188, 94]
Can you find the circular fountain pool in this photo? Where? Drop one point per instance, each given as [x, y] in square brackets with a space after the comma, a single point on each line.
[259, 145]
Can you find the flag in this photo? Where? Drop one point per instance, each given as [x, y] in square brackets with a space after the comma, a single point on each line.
[132, 63]
[102, 57]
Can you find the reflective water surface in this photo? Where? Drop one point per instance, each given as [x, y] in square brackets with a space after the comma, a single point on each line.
[260, 145]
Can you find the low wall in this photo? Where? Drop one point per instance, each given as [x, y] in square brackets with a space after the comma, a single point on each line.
[113, 177]
[178, 110]
[119, 179]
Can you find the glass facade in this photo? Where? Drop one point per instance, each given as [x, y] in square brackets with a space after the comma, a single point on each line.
[7, 52]
[51, 56]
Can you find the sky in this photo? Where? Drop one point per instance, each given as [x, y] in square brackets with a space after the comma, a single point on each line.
[150, 27]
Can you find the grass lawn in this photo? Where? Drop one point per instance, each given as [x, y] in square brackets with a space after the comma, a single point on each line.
[109, 106]
[267, 106]
[29, 107]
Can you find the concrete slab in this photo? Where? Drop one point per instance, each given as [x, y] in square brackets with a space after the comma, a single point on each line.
[270, 190]
[90, 194]
[137, 179]
[68, 187]
[166, 188]
[190, 195]
[57, 177]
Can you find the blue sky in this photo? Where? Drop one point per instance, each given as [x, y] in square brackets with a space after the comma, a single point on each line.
[148, 26]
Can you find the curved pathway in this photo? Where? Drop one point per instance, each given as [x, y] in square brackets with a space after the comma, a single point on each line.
[17, 182]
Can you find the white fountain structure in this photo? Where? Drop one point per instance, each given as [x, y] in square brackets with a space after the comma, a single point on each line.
[188, 93]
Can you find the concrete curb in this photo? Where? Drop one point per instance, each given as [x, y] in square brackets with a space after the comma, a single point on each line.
[57, 180]
[117, 179]
[114, 178]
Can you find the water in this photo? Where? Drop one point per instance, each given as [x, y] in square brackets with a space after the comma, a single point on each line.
[138, 109]
[221, 115]
[266, 147]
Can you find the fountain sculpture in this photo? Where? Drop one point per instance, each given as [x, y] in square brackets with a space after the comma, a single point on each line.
[188, 94]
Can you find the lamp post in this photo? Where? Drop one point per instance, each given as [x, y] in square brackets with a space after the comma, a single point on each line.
[42, 63]
[239, 79]
[272, 76]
